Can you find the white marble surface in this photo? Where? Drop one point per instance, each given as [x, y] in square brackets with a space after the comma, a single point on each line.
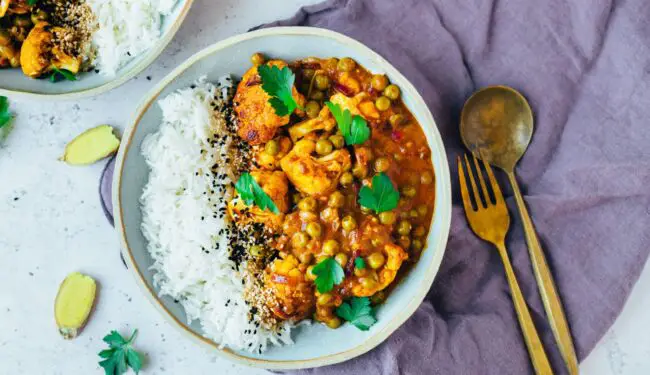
[51, 223]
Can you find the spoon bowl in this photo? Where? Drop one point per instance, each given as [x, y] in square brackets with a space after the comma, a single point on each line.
[497, 123]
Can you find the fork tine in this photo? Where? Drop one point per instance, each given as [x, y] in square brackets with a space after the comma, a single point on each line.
[498, 195]
[477, 197]
[467, 203]
[481, 181]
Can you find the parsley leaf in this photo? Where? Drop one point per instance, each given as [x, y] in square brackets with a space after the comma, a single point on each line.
[278, 83]
[251, 192]
[381, 196]
[120, 355]
[61, 74]
[355, 129]
[359, 263]
[5, 115]
[358, 312]
[328, 273]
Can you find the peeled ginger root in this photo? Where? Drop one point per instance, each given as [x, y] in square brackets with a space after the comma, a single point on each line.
[73, 304]
[91, 146]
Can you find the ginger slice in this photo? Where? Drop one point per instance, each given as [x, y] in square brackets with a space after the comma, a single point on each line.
[91, 146]
[73, 304]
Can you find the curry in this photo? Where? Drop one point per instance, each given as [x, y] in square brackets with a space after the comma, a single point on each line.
[321, 177]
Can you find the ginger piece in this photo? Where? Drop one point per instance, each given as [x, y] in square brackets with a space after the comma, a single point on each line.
[91, 146]
[74, 303]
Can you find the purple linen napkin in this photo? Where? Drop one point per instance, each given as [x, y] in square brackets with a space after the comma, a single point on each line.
[584, 65]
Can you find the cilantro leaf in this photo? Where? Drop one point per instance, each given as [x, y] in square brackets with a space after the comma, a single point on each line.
[252, 193]
[5, 115]
[359, 263]
[355, 129]
[358, 312]
[381, 196]
[328, 273]
[121, 355]
[61, 74]
[278, 83]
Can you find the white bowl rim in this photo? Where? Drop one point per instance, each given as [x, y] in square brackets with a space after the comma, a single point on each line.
[149, 57]
[443, 203]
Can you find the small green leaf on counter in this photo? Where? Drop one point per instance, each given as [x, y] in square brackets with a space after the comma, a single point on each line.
[251, 192]
[381, 196]
[5, 115]
[358, 312]
[328, 273]
[120, 355]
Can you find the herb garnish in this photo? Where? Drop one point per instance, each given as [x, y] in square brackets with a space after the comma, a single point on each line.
[328, 273]
[5, 115]
[251, 192]
[381, 196]
[32, 2]
[121, 355]
[355, 129]
[61, 74]
[358, 312]
[278, 83]
[359, 263]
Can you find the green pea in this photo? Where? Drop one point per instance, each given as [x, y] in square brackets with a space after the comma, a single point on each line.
[272, 147]
[392, 92]
[387, 218]
[324, 147]
[346, 178]
[382, 103]
[379, 82]
[404, 228]
[322, 82]
[349, 223]
[312, 108]
[346, 64]
[258, 59]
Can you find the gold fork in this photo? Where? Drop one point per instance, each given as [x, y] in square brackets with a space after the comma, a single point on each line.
[490, 221]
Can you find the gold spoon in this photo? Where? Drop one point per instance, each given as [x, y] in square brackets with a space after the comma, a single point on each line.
[497, 124]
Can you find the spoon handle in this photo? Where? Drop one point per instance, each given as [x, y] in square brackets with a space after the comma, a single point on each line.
[546, 285]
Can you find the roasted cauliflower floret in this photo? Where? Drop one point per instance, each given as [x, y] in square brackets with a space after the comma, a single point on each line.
[276, 186]
[324, 121]
[38, 54]
[314, 176]
[294, 293]
[378, 279]
[258, 122]
[359, 104]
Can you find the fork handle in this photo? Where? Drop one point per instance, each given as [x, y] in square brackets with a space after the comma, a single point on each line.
[546, 285]
[535, 348]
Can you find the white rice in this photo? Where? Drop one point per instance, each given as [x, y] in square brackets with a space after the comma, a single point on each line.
[175, 199]
[127, 28]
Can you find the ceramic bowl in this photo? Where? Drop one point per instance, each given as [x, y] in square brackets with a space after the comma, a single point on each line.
[315, 345]
[14, 83]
